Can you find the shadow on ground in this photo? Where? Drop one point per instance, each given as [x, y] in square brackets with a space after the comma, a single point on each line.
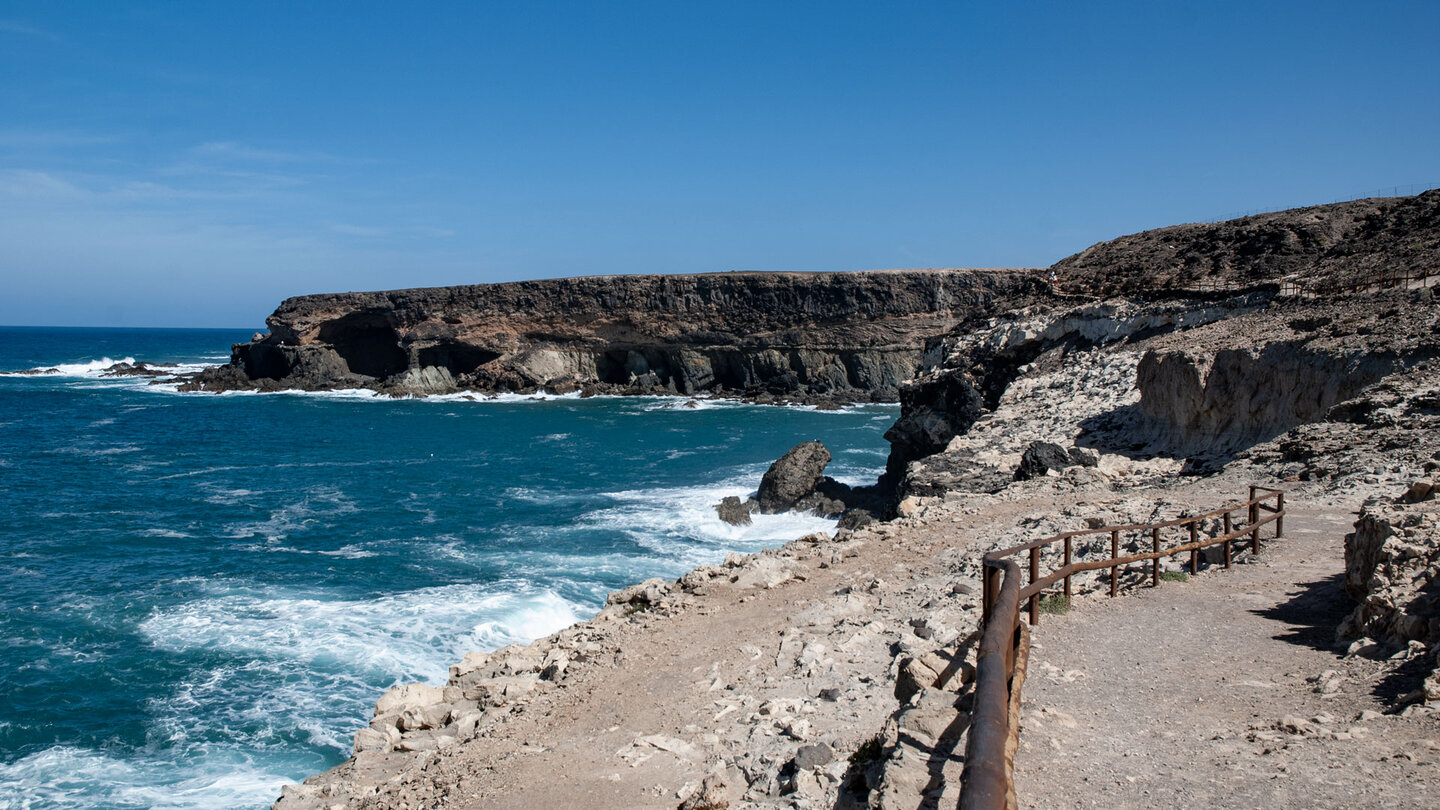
[1312, 613]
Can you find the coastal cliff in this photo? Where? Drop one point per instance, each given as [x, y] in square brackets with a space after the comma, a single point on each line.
[794, 336]
[835, 672]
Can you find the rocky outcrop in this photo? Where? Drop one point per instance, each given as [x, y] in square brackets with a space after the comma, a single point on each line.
[971, 370]
[1392, 568]
[838, 336]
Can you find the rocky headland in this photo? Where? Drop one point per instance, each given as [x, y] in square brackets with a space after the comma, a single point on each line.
[812, 337]
[835, 671]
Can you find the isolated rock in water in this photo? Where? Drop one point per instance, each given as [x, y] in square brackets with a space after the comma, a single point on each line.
[1039, 458]
[734, 511]
[792, 477]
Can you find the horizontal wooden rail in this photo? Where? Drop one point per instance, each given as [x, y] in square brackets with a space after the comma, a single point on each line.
[987, 782]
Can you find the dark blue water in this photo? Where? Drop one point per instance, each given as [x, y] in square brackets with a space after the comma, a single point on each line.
[203, 595]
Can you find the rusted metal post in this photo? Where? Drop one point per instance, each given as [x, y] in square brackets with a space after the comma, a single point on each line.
[1114, 552]
[1067, 565]
[1280, 514]
[1034, 575]
[1155, 546]
[1226, 544]
[1194, 552]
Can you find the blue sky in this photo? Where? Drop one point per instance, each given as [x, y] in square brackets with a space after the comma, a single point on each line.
[192, 164]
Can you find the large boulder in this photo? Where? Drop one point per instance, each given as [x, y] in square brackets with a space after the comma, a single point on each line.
[1041, 457]
[792, 477]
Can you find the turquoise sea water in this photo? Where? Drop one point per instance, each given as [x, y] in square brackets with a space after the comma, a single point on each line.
[203, 595]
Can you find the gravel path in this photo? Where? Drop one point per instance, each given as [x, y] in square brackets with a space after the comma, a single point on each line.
[1223, 691]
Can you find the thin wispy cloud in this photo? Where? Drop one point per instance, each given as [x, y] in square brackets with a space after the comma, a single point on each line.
[358, 230]
[51, 139]
[27, 184]
[111, 191]
[24, 29]
[231, 150]
[348, 229]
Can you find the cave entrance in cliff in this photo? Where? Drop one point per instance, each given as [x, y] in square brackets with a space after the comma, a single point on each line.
[458, 358]
[368, 344]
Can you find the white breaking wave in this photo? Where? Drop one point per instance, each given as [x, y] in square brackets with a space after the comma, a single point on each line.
[92, 368]
[415, 634]
[72, 777]
[681, 524]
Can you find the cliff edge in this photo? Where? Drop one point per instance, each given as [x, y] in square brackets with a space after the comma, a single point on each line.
[795, 336]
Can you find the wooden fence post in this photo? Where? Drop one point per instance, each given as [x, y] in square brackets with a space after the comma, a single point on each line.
[1114, 552]
[1194, 552]
[1280, 515]
[1035, 597]
[1155, 547]
[1226, 544]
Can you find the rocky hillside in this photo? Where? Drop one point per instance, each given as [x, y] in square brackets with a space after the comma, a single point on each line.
[797, 336]
[1337, 244]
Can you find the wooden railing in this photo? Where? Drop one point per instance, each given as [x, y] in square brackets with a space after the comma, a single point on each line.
[987, 783]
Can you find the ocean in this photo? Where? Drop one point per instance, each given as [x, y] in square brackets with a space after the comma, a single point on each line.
[204, 594]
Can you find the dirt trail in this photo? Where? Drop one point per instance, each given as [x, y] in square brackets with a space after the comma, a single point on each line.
[1223, 691]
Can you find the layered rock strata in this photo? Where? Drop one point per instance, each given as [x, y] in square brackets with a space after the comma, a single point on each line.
[842, 336]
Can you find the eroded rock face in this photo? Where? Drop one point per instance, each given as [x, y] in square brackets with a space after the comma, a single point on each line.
[1392, 560]
[1231, 398]
[1392, 564]
[844, 336]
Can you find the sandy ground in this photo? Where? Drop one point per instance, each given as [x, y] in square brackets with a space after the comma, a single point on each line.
[1222, 691]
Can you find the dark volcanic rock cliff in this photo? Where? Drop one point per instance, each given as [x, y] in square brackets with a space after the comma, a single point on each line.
[841, 336]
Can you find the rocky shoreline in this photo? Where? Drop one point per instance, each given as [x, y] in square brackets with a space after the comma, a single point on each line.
[833, 672]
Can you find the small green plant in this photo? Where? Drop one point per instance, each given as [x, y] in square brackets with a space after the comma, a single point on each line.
[869, 751]
[1055, 604]
[1173, 576]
